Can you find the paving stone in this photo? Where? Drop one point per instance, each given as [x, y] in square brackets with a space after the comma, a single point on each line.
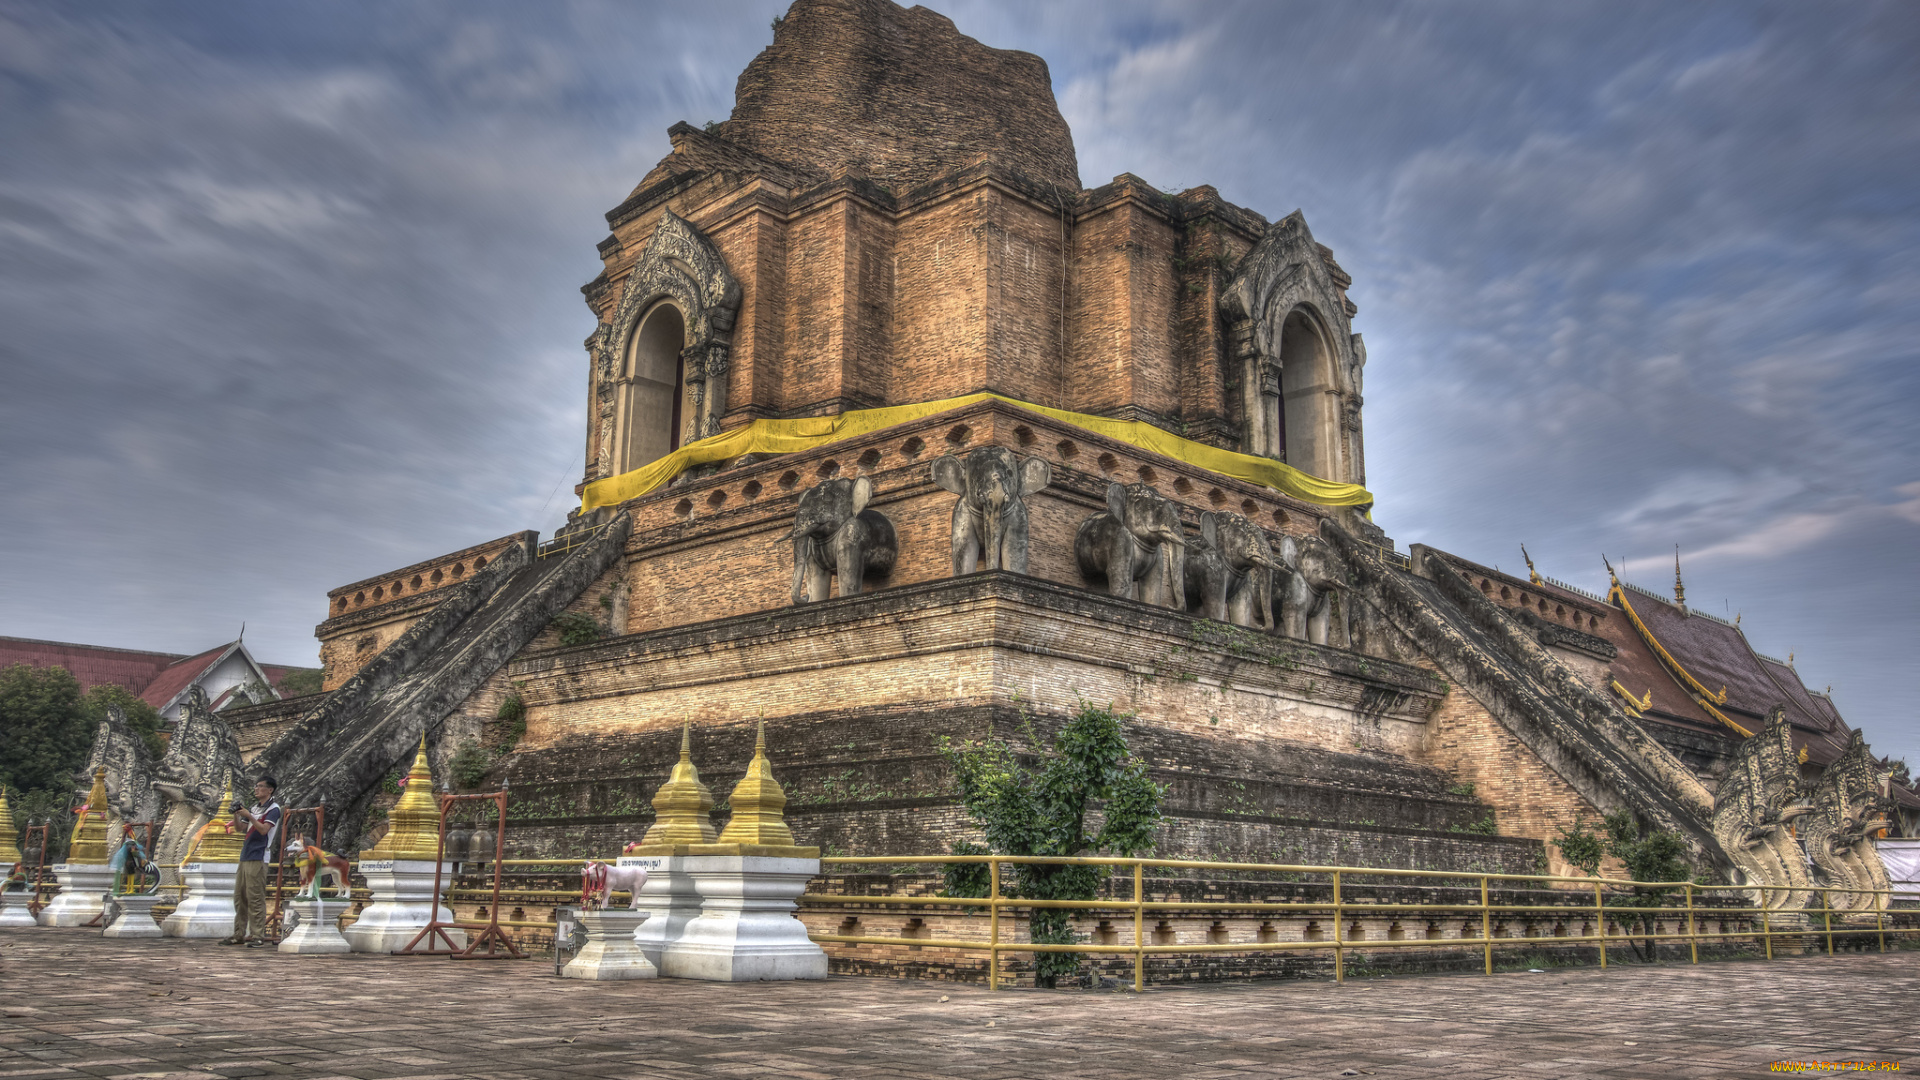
[73, 1004]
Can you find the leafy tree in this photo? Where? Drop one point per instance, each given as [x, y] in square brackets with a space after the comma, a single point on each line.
[41, 808]
[1041, 809]
[303, 681]
[45, 732]
[144, 719]
[1648, 854]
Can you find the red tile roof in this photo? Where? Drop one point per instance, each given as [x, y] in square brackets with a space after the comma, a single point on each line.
[92, 665]
[181, 674]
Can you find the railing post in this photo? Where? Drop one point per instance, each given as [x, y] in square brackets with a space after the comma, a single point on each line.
[1693, 931]
[1339, 954]
[1879, 917]
[1826, 914]
[993, 925]
[1766, 922]
[1139, 930]
[1600, 920]
[1486, 923]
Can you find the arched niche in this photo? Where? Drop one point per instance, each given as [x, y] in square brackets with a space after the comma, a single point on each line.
[653, 412]
[1309, 397]
[1294, 356]
[680, 272]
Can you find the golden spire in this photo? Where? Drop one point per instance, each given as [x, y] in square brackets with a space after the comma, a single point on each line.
[89, 841]
[683, 806]
[222, 842]
[1679, 587]
[1532, 574]
[413, 825]
[757, 803]
[9, 836]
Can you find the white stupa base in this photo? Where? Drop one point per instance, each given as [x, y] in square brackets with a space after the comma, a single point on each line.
[319, 927]
[13, 909]
[206, 909]
[610, 951]
[135, 918]
[402, 904]
[669, 901]
[746, 930]
[82, 886]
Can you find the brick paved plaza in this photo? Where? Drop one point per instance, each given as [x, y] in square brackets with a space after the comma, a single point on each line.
[78, 1005]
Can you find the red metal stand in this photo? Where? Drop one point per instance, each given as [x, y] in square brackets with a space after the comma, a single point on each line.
[40, 870]
[490, 934]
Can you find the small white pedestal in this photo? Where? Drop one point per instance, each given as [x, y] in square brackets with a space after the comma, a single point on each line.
[135, 918]
[81, 887]
[206, 910]
[13, 909]
[402, 904]
[669, 901]
[610, 951]
[319, 929]
[746, 930]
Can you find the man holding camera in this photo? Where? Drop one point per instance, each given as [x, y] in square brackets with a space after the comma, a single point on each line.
[261, 821]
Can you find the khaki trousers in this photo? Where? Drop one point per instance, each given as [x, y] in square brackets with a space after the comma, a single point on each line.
[250, 901]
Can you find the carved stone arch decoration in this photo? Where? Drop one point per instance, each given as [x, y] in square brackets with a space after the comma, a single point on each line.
[679, 267]
[1297, 360]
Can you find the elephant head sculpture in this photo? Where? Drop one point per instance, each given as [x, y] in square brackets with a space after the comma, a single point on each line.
[1137, 545]
[990, 519]
[834, 534]
[1305, 593]
[1249, 564]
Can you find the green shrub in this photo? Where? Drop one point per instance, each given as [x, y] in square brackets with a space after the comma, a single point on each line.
[578, 629]
[470, 763]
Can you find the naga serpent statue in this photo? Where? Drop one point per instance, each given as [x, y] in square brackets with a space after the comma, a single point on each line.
[1848, 810]
[1753, 811]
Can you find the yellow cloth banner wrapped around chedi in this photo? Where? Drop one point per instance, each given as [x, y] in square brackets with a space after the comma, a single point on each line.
[805, 433]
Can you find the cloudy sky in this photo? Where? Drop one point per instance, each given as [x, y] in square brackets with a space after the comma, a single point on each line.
[289, 293]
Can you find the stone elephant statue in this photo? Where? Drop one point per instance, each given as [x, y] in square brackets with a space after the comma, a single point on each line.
[990, 518]
[1230, 572]
[1305, 594]
[834, 534]
[1137, 545]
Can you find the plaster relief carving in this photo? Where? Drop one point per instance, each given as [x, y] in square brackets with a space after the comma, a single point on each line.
[1298, 360]
[1753, 814]
[680, 266]
[1848, 810]
[1137, 546]
[990, 517]
[835, 535]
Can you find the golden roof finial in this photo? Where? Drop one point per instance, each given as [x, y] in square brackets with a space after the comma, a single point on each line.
[413, 825]
[1679, 587]
[1736, 618]
[683, 806]
[1532, 574]
[221, 843]
[9, 835]
[1789, 659]
[1611, 575]
[89, 841]
[758, 802]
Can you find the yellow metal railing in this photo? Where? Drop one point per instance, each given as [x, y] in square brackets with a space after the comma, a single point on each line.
[1624, 917]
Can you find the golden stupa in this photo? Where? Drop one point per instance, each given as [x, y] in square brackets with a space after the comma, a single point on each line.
[413, 825]
[89, 842]
[9, 835]
[758, 825]
[223, 841]
[682, 807]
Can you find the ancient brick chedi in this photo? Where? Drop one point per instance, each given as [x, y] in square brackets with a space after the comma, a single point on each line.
[896, 433]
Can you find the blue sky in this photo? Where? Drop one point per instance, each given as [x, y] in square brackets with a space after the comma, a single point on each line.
[290, 292]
